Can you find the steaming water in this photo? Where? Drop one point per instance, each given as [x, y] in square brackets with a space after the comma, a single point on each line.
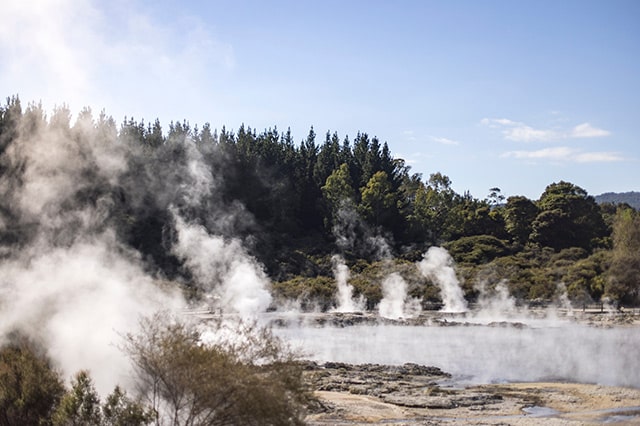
[484, 354]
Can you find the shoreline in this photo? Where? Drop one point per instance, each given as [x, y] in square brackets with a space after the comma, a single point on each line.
[370, 394]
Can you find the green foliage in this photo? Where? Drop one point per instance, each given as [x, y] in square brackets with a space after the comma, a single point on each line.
[585, 279]
[470, 217]
[80, 405]
[378, 200]
[248, 378]
[519, 214]
[120, 410]
[32, 393]
[439, 200]
[477, 249]
[567, 217]
[29, 387]
[310, 292]
[283, 196]
[338, 193]
[624, 272]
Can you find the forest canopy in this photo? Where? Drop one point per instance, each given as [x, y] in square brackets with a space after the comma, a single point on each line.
[294, 204]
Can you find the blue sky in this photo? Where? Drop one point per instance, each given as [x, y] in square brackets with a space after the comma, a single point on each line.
[513, 94]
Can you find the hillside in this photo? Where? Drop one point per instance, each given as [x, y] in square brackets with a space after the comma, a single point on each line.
[632, 198]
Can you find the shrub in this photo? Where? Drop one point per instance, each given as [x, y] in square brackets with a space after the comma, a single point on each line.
[477, 249]
[29, 387]
[230, 374]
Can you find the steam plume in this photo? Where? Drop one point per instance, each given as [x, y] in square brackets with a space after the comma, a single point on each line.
[437, 265]
[232, 279]
[345, 298]
[395, 303]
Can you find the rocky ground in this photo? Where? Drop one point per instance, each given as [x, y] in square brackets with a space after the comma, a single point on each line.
[411, 394]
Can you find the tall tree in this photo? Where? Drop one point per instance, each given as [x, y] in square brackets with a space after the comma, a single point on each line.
[623, 281]
[439, 199]
[519, 214]
[360, 170]
[329, 158]
[81, 405]
[309, 191]
[378, 200]
[10, 116]
[154, 136]
[568, 217]
[338, 192]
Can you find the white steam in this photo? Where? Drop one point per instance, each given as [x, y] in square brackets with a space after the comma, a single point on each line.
[77, 300]
[396, 303]
[497, 304]
[437, 266]
[55, 167]
[483, 354]
[72, 287]
[563, 301]
[234, 281]
[71, 283]
[346, 223]
[345, 298]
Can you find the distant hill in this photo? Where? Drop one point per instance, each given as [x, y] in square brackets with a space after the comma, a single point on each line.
[632, 198]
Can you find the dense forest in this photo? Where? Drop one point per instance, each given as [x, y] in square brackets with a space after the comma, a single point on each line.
[294, 204]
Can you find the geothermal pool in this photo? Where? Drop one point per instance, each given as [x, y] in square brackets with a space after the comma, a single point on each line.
[481, 353]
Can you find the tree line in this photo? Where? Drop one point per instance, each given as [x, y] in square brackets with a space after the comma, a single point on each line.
[297, 202]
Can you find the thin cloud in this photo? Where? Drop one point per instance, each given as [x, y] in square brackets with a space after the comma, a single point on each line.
[586, 130]
[444, 141]
[497, 122]
[565, 154]
[599, 157]
[520, 132]
[556, 154]
[409, 135]
[524, 133]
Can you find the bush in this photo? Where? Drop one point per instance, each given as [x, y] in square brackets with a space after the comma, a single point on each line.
[29, 387]
[230, 374]
[311, 292]
[81, 406]
[477, 249]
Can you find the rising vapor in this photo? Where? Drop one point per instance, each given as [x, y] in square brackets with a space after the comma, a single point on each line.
[76, 271]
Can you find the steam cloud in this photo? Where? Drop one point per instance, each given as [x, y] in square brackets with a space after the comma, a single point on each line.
[231, 278]
[76, 300]
[69, 277]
